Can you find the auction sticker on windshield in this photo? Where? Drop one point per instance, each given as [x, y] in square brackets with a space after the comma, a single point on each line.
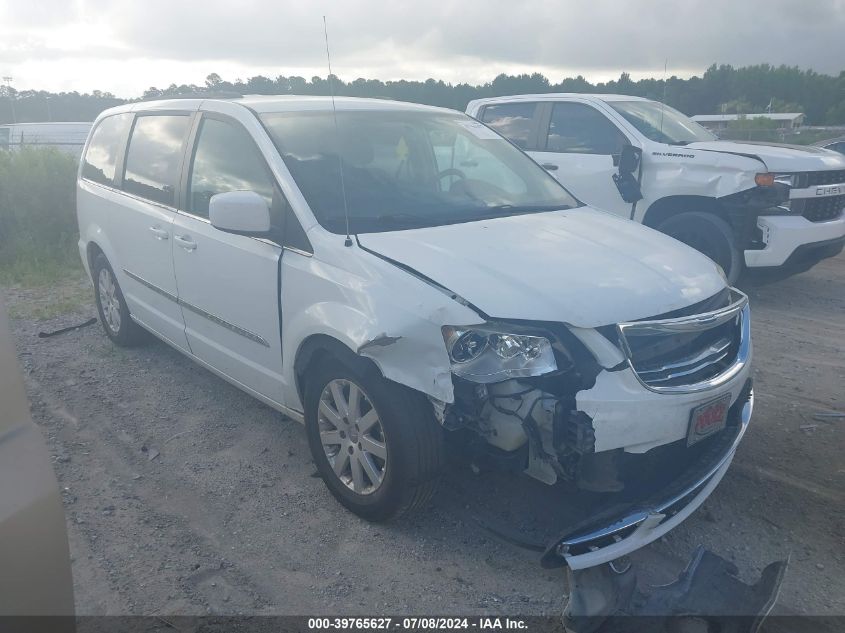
[707, 419]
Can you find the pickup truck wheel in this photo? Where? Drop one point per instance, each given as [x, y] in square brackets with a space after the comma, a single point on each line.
[114, 313]
[375, 443]
[709, 234]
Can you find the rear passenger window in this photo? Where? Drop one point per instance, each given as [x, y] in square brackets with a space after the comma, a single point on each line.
[100, 158]
[152, 162]
[226, 159]
[576, 128]
[514, 121]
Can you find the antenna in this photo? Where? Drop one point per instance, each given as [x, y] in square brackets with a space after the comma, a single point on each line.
[663, 103]
[348, 241]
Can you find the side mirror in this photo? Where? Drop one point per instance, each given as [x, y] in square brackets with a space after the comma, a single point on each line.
[627, 180]
[629, 159]
[239, 212]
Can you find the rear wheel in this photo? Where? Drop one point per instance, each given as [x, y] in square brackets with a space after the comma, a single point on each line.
[114, 313]
[709, 234]
[375, 443]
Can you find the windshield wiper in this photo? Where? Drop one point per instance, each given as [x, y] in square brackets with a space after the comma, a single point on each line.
[511, 209]
[391, 219]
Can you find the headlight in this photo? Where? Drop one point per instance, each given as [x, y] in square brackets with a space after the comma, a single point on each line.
[483, 354]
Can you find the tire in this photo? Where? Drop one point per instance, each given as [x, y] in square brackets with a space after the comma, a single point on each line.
[709, 234]
[112, 308]
[407, 469]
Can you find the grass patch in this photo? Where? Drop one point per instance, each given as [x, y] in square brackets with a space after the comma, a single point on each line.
[38, 228]
[41, 298]
[34, 273]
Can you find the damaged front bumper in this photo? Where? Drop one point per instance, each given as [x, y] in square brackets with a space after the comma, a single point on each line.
[784, 235]
[708, 595]
[620, 531]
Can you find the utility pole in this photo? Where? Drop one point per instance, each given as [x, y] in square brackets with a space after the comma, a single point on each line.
[8, 81]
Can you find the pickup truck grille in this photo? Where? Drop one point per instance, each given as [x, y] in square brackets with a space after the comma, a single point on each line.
[821, 209]
[806, 179]
[689, 353]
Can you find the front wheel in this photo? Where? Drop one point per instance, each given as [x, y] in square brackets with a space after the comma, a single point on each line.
[709, 234]
[375, 443]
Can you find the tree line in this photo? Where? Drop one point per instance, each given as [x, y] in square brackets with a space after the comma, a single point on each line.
[720, 89]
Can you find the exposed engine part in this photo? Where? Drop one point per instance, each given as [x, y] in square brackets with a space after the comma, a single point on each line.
[508, 404]
[512, 414]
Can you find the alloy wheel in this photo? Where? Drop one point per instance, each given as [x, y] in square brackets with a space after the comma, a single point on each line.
[352, 436]
[107, 289]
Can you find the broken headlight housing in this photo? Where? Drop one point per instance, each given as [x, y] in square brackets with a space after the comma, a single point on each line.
[485, 354]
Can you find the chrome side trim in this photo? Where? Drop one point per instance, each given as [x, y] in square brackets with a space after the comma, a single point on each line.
[193, 216]
[298, 251]
[695, 323]
[152, 286]
[132, 196]
[252, 336]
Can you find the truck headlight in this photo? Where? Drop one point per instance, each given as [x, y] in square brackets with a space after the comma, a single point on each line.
[485, 354]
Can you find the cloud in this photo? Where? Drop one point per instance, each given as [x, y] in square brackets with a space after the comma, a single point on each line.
[452, 40]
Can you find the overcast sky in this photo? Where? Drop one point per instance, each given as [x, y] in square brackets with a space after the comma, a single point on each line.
[126, 46]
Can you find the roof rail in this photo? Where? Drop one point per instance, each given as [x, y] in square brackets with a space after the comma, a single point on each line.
[210, 94]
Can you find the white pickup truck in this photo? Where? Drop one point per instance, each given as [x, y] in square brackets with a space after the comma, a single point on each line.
[776, 209]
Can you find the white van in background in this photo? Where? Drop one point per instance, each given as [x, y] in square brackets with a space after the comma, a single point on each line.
[65, 136]
[760, 206]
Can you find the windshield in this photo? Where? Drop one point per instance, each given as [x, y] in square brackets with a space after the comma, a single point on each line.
[661, 123]
[408, 169]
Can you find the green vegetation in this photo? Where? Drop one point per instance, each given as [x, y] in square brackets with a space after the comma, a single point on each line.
[38, 230]
[746, 89]
[47, 299]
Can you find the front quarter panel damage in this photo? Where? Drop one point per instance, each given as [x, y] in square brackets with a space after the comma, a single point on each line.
[687, 171]
[377, 310]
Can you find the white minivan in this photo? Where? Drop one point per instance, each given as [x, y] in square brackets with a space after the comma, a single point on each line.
[400, 277]
[770, 209]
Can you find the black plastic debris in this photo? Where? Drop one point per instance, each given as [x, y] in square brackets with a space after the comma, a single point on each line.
[71, 328]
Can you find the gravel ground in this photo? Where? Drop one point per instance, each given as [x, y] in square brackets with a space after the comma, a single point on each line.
[185, 496]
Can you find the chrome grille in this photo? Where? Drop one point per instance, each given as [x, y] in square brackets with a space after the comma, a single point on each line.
[689, 353]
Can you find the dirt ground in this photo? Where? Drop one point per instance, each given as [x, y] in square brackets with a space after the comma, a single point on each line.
[185, 496]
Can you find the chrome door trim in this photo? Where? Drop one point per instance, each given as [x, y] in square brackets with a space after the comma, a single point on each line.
[152, 286]
[252, 336]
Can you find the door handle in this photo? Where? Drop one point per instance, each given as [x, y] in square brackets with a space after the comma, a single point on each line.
[549, 166]
[158, 233]
[185, 242]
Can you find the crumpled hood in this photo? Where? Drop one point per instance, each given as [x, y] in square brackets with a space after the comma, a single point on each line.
[779, 157]
[583, 267]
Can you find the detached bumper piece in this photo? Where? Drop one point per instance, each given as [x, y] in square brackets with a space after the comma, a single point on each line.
[707, 596]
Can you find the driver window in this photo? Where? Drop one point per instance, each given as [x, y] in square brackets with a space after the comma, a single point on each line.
[576, 128]
[459, 158]
[226, 159]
